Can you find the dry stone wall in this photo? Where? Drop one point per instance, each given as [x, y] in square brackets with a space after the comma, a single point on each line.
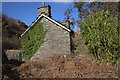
[14, 54]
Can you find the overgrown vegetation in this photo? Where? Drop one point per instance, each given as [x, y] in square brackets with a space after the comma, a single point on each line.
[78, 44]
[32, 40]
[81, 10]
[98, 25]
[100, 33]
[11, 30]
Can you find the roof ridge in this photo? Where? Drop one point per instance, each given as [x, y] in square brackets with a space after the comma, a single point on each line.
[42, 15]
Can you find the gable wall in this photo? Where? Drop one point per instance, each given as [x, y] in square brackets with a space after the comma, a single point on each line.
[58, 41]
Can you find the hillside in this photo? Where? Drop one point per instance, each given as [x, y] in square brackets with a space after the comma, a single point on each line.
[11, 30]
[60, 66]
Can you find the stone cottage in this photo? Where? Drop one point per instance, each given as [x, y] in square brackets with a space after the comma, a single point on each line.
[57, 35]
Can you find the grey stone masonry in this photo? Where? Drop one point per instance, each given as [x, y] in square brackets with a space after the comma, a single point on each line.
[57, 41]
[14, 54]
[66, 23]
[44, 9]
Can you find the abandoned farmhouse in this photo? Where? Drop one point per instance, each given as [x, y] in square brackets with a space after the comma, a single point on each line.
[56, 39]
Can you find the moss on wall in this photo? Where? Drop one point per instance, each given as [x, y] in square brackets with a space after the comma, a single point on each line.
[32, 40]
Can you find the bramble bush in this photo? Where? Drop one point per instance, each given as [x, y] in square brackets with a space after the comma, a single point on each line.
[100, 32]
[32, 40]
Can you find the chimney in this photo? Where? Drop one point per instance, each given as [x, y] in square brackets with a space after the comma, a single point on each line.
[44, 9]
[66, 23]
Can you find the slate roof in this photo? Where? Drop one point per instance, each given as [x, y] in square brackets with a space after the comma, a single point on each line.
[42, 15]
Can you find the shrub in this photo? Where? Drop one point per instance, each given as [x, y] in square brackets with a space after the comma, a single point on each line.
[100, 33]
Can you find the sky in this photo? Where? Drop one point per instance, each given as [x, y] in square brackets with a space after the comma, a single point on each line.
[27, 11]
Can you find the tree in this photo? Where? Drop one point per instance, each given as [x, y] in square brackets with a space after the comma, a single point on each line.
[10, 32]
[85, 8]
[100, 32]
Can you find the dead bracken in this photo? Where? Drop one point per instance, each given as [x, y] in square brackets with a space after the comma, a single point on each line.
[60, 66]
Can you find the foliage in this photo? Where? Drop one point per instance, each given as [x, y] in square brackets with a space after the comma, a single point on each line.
[32, 40]
[85, 8]
[71, 15]
[10, 32]
[100, 33]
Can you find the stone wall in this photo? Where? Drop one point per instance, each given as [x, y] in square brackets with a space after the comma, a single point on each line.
[14, 54]
[57, 41]
[44, 9]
